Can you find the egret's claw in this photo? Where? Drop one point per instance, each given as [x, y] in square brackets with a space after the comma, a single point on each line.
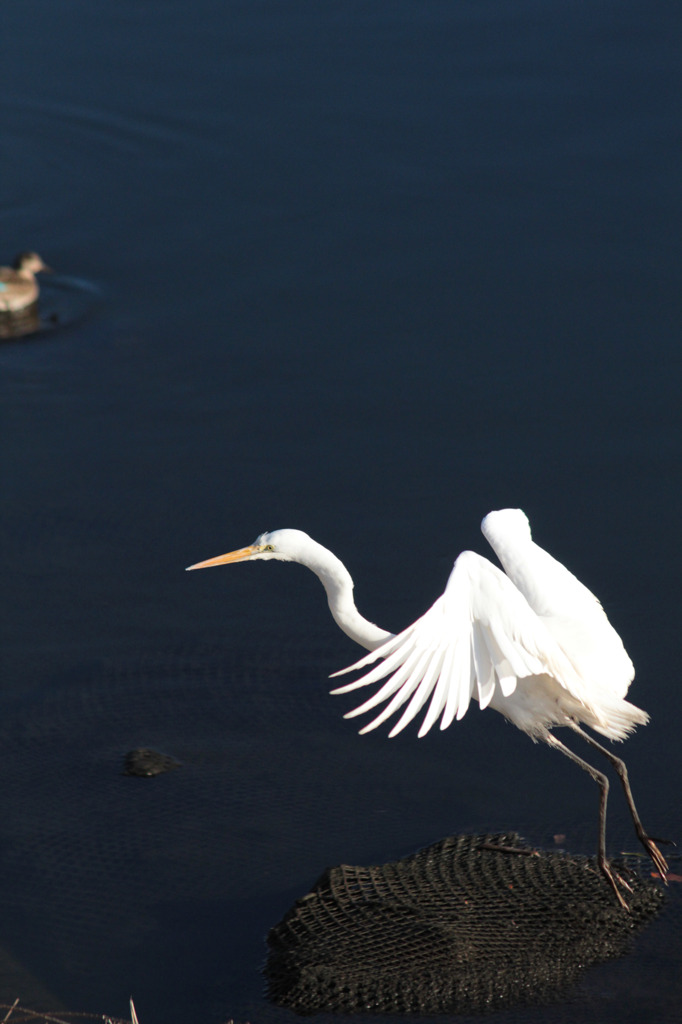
[615, 880]
[659, 861]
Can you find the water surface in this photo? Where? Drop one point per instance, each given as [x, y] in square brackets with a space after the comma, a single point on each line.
[369, 270]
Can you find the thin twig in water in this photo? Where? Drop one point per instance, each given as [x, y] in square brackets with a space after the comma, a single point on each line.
[7, 1015]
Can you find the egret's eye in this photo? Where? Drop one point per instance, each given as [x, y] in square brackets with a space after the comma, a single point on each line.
[269, 547]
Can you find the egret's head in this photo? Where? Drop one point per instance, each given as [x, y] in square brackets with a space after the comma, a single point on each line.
[285, 545]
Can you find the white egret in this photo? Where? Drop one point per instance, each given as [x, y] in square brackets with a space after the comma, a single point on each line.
[534, 644]
[18, 286]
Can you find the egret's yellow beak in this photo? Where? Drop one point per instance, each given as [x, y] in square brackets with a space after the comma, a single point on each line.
[232, 556]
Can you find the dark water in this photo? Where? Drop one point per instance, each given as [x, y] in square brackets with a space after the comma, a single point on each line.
[369, 270]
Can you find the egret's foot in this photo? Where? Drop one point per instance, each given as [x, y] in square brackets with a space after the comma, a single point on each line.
[613, 878]
[659, 861]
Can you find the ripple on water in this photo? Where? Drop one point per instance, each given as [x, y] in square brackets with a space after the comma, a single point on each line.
[63, 301]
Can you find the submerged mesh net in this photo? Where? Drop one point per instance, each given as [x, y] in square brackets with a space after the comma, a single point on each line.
[453, 928]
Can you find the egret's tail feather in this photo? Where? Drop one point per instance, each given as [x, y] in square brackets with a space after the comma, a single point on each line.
[617, 718]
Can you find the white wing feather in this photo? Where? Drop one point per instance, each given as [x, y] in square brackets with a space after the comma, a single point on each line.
[571, 612]
[480, 635]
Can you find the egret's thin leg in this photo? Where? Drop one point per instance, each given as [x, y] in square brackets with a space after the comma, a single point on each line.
[649, 845]
[603, 784]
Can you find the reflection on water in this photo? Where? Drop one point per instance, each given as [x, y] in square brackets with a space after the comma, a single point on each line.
[17, 325]
[63, 302]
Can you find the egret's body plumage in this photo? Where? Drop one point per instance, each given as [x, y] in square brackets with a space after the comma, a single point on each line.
[18, 285]
[534, 644]
[531, 642]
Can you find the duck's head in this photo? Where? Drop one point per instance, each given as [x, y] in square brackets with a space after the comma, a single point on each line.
[31, 263]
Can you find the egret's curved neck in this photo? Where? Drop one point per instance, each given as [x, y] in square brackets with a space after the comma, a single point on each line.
[338, 584]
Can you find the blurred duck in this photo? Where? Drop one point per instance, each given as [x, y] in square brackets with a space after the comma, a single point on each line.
[18, 286]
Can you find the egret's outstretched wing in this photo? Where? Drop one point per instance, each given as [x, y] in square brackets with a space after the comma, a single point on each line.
[571, 612]
[481, 634]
